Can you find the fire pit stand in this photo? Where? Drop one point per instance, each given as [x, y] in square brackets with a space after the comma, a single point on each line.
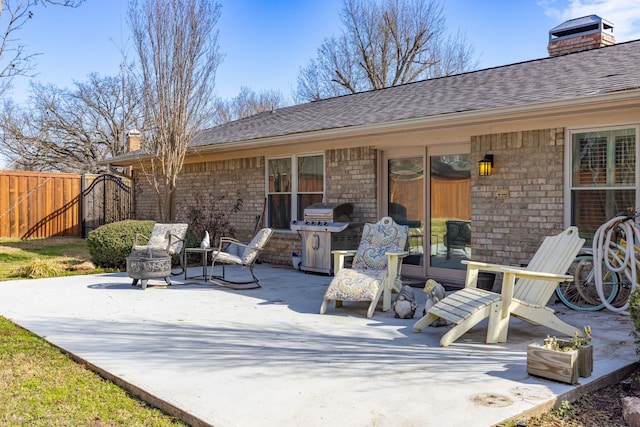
[150, 264]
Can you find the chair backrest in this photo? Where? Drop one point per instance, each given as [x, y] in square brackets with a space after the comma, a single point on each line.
[162, 237]
[256, 245]
[555, 255]
[458, 233]
[378, 239]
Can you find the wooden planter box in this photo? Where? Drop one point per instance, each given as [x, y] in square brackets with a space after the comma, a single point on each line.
[558, 365]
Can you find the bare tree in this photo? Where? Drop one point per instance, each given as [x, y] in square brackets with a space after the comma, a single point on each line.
[14, 58]
[246, 104]
[177, 46]
[70, 130]
[384, 43]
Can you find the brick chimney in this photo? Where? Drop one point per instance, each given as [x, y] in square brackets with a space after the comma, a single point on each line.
[575, 35]
[133, 140]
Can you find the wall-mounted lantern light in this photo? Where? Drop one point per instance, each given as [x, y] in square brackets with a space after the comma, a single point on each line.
[486, 165]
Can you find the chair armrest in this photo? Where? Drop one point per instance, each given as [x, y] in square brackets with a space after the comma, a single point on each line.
[225, 242]
[394, 268]
[173, 238]
[484, 266]
[339, 257]
[397, 254]
[345, 252]
[518, 272]
[137, 235]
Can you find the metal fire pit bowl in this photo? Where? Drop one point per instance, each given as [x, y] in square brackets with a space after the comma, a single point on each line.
[145, 265]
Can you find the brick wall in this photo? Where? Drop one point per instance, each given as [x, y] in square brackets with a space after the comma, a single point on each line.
[504, 230]
[350, 177]
[580, 43]
[529, 165]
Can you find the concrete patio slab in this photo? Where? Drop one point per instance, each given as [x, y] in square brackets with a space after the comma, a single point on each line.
[222, 357]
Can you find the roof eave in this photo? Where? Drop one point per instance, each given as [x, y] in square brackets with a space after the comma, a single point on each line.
[463, 118]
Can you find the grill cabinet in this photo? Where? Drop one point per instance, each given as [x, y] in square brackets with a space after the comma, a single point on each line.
[326, 227]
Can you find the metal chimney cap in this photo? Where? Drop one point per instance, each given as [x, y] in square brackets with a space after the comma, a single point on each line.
[579, 26]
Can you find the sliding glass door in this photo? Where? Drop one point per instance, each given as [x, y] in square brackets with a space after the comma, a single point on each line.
[429, 190]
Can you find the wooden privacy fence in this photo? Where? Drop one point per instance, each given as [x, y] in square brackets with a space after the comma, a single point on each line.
[38, 205]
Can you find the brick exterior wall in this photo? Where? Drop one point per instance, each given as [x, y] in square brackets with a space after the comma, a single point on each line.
[529, 164]
[350, 177]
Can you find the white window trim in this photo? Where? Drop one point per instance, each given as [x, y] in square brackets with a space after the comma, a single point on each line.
[568, 184]
[294, 181]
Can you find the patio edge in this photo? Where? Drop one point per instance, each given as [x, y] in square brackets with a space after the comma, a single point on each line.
[575, 394]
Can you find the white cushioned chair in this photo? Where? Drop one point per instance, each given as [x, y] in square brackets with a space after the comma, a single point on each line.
[167, 237]
[233, 252]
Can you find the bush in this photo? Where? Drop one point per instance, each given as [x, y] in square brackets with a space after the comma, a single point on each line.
[212, 214]
[634, 311]
[110, 244]
[38, 268]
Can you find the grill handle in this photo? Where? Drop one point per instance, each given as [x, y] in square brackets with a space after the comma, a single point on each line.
[315, 244]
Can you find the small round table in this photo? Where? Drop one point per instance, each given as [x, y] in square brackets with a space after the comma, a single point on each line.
[148, 264]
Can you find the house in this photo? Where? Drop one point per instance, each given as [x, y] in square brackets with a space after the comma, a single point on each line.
[560, 134]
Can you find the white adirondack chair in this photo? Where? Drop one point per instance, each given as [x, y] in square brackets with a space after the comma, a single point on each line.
[526, 299]
[376, 267]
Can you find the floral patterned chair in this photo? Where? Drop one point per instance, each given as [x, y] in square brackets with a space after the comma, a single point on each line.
[167, 237]
[376, 267]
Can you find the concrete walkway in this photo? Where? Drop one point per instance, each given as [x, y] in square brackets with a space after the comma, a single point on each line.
[265, 357]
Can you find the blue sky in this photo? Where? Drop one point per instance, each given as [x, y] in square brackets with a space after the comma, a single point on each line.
[266, 42]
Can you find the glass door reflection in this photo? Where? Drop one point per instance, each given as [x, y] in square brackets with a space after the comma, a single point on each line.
[450, 210]
[406, 203]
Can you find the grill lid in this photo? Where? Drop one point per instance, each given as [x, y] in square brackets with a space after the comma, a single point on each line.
[331, 212]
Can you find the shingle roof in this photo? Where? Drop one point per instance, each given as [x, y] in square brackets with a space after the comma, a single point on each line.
[598, 71]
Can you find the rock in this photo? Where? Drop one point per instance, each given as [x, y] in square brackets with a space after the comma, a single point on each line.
[631, 411]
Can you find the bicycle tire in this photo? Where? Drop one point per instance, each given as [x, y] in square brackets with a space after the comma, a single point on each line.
[581, 294]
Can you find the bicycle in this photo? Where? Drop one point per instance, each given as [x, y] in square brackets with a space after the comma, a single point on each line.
[581, 293]
[615, 276]
[611, 250]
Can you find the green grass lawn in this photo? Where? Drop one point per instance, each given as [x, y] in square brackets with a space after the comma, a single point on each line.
[40, 385]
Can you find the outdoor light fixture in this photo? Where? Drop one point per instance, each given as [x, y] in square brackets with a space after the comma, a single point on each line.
[486, 165]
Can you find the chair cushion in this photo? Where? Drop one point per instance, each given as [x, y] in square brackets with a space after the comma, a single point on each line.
[160, 241]
[226, 258]
[377, 240]
[255, 245]
[355, 285]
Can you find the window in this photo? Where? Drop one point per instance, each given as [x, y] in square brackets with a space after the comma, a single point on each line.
[293, 183]
[603, 176]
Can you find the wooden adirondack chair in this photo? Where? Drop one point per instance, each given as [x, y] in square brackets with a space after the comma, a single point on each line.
[376, 269]
[526, 299]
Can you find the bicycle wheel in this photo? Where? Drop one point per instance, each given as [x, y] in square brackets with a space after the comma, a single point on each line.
[581, 294]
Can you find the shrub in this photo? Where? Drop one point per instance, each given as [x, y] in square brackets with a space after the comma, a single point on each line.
[634, 311]
[212, 214]
[38, 268]
[110, 244]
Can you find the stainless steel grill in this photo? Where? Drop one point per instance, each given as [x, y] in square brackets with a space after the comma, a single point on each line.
[325, 227]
